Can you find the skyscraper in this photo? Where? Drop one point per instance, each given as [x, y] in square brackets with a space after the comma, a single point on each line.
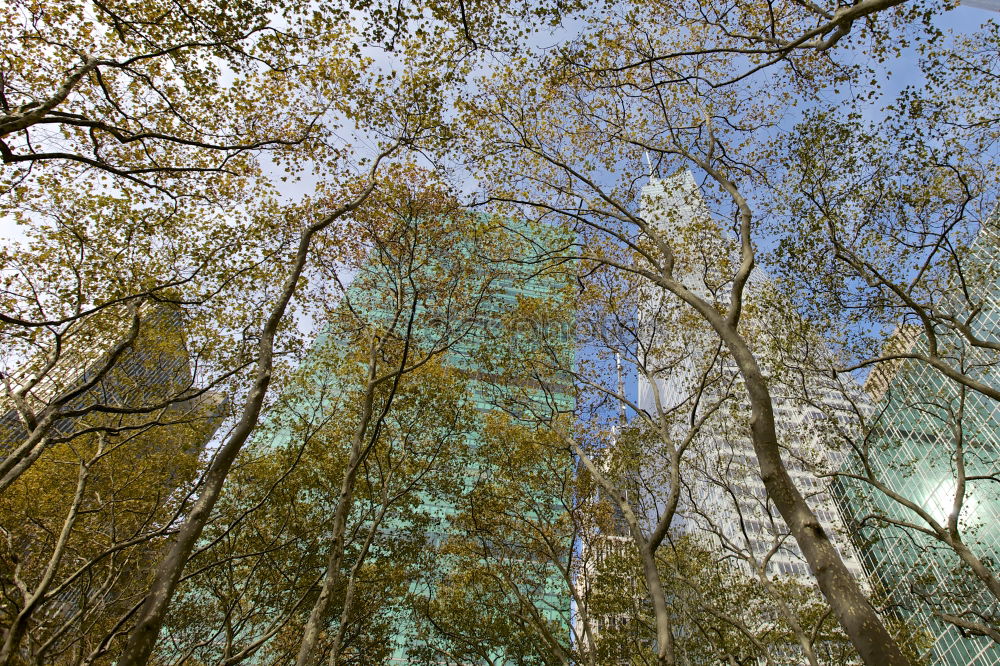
[443, 292]
[731, 538]
[106, 377]
[727, 498]
[109, 474]
[524, 308]
[929, 434]
[688, 382]
[153, 366]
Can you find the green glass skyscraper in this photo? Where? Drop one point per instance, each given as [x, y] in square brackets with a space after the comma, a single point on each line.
[445, 293]
[928, 435]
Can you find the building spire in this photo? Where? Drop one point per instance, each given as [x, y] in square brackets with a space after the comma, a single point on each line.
[649, 165]
[622, 416]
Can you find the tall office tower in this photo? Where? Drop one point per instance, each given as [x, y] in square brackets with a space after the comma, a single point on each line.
[689, 373]
[684, 375]
[525, 320]
[438, 294]
[108, 371]
[81, 371]
[927, 432]
[728, 497]
[103, 445]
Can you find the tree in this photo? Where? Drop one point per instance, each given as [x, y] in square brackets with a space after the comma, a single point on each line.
[421, 299]
[254, 580]
[683, 446]
[79, 522]
[933, 281]
[560, 126]
[721, 613]
[363, 453]
[177, 125]
[511, 544]
[182, 208]
[146, 146]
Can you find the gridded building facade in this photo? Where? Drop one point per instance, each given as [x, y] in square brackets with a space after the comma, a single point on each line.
[470, 284]
[153, 369]
[724, 510]
[923, 426]
[727, 500]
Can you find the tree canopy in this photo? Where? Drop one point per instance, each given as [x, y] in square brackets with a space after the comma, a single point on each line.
[475, 332]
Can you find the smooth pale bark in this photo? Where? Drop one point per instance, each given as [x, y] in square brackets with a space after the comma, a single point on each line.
[977, 566]
[587, 639]
[759, 569]
[664, 630]
[26, 116]
[332, 575]
[12, 640]
[654, 585]
[948, 533]
[747, 632]
[851, 607]
[352, 583]
[251, 649]
[647, 547]
[531, 618]
[143, 636]
[928, 324]
[974, 628]
[786, 612]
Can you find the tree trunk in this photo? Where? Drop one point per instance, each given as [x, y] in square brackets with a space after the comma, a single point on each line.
[143, 636]
[858, 618]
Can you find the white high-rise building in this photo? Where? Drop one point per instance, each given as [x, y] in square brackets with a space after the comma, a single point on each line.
[724, 497]
[685, 373]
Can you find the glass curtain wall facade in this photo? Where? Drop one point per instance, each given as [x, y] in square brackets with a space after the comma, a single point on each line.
[925, 427]
[526, 311]
[468, 285]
